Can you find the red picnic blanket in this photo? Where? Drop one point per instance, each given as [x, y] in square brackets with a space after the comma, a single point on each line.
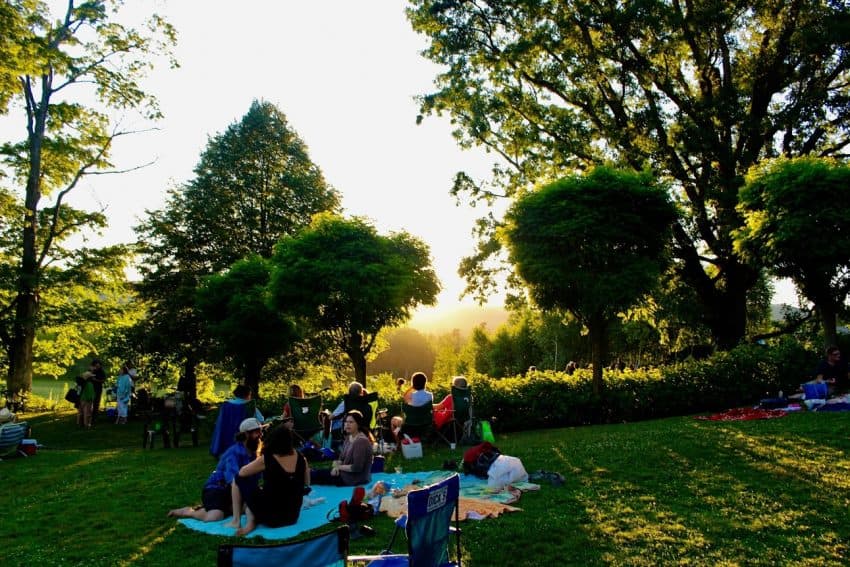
[743, 414]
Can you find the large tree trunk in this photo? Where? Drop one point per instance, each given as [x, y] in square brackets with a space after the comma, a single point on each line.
[188, 382]
[252, 377]
[829, 320]
[598, 330]
[26, 310]
[358, 360]
[723, 300]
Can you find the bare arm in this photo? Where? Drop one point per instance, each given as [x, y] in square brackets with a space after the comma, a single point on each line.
[256, 466]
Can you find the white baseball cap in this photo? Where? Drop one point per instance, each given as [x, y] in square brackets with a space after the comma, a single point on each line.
[249, 424]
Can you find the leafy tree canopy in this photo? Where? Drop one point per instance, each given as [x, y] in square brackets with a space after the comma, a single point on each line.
[234, 306]
[592, 245]
[796, 215]
[350, 282]
[698, 91]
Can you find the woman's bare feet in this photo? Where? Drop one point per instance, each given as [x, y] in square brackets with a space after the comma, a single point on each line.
[249, 527]
[180, 512]
[234, 523]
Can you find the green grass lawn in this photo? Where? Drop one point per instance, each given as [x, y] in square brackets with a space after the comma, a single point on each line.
[675, 491]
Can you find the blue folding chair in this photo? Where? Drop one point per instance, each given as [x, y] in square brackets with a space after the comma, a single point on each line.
[428, 526]
[324, 550]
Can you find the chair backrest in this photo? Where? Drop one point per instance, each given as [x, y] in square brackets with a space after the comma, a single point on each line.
[11, 435]
[230, 415]
[418, 416]
[305, 412]
[324, 550]
[367, 405]
[429, 517]
[462, 402]
[815, 390]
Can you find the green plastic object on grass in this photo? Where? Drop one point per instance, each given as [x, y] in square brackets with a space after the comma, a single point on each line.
[487, 432]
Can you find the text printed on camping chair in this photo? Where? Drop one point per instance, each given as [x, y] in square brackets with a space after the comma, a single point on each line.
[438, 498]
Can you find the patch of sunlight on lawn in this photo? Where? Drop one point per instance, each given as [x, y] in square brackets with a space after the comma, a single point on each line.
[150, 541]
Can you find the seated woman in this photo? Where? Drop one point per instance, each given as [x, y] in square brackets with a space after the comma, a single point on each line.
[417, 395]
[355, 460]
[286, 478]
[444, 410]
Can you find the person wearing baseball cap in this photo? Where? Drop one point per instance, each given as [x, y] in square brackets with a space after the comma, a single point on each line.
[220, 496]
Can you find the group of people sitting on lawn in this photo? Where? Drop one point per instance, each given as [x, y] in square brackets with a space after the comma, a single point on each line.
[271, 453]
[234, 484]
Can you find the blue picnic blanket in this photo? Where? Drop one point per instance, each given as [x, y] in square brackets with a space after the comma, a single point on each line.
[317, 515]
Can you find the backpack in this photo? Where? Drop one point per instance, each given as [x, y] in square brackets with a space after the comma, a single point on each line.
[478, 459]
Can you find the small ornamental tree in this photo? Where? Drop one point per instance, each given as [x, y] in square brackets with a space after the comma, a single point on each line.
[591, 245]
[346, 281]
[796, 214]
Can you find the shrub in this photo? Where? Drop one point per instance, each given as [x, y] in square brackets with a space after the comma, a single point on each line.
[728, 379]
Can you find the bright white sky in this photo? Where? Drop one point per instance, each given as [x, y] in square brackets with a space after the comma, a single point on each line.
[345, 74]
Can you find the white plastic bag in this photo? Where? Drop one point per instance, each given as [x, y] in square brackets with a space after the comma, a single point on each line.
[505, 470]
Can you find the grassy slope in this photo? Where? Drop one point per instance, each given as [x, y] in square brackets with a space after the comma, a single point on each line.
[662, 492]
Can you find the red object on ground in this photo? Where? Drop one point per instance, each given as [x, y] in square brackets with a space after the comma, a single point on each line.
[743, 414]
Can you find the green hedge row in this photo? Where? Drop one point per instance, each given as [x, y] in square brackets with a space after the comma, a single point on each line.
[547, 399]
[737, 378]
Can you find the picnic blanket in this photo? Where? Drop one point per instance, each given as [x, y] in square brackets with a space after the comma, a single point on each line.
[329, 497]
[476, 502]
[743, 414]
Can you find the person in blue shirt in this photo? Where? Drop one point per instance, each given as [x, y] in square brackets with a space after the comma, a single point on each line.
[220, 496]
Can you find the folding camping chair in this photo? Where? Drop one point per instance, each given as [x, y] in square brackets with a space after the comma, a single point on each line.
[324, 550]
[418, 420]
[428, 526]
[11, 435]
[460, 414]
[367, 405]
[305, 412]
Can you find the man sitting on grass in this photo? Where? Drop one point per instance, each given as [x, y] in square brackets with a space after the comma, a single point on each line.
[220, 496]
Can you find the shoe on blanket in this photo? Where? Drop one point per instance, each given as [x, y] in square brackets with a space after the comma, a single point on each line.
[343, 512]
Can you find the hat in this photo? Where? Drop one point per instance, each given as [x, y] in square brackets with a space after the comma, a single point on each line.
[6, 415]
[249, 424]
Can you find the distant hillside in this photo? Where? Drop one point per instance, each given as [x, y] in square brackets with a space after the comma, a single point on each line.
[464, 318]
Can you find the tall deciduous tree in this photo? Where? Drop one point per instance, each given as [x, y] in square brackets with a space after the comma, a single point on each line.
[71, 72]
[699, 91]
[346, 280]
[796, 215]
[254, 183]
[591, 245]
[235, 308]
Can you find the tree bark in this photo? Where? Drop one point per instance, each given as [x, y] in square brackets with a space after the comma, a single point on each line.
[26, 310]
[598, 329]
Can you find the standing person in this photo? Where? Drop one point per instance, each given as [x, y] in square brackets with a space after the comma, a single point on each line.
[833, 370]
[417, 395]
[355, 459]
[98, 379]
[87, 396]
[123, 392]
[286, 478]
[221, 497]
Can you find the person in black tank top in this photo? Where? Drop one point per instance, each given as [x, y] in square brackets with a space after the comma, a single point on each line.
[286, 477]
